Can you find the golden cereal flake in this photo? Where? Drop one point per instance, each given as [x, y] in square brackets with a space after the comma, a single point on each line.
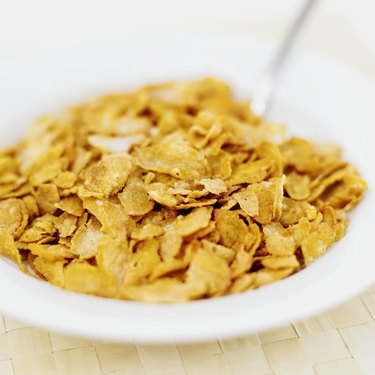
[270, 199]
[233, 231]
[170, 243]
[248, 201]
[31, 206]
[165, 290]
[8, 248]
[142, 262]
[214, 185]
[47, 196]
[279, 241]
[282, 262]
[165, 268]
[71, 205]
[46, 173]
[85, 278]
[51, 252]
[241, 263]
[135, 200]
[65, 179]
[177, 159]
[112, 255]
[224, 252]
[297, 186]
[51, 271]
[112, 216]
[14, 216]
[147, 232]
[243, 283]
[197, 219]
[293, 211]
[86, 239]
[66, 224]
[109, 175]
[251, 172]
[220, 165]
[318, 242]
[208, 274]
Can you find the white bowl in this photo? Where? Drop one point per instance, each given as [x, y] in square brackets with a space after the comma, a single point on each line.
[318, 99]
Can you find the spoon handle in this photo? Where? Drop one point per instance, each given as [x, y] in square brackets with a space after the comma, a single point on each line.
[266, 86]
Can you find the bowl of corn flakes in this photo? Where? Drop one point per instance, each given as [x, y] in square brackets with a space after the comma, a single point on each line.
[142, 199]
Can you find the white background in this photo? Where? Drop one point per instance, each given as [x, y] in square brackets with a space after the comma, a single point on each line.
[341, 29]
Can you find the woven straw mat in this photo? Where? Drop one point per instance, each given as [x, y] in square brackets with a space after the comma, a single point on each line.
[341, 341]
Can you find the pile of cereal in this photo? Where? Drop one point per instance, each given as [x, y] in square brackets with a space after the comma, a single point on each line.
[173, 192]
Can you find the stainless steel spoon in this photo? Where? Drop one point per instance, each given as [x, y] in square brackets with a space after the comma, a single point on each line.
[264, 90]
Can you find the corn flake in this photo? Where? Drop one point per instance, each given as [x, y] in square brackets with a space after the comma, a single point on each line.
[109, 175]
[232, 229]
[208, 274]
[51, 252]
[86, 239]
[47, 196]
[14, 216]
[51, 271]
[135, 200]
[197, 219]
[177, 159]
[85, 278]
[251, 172]
[66, 224]
[72, 205]
[112, 255]
[297, 186]
[8, 248]
[142, 262]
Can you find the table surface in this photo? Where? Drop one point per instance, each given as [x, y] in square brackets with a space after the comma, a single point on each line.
[340, 341]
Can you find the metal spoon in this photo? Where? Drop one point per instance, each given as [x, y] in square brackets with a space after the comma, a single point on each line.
[264, 90]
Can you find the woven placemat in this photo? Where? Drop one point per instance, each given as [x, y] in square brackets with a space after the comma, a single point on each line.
[341, 341]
